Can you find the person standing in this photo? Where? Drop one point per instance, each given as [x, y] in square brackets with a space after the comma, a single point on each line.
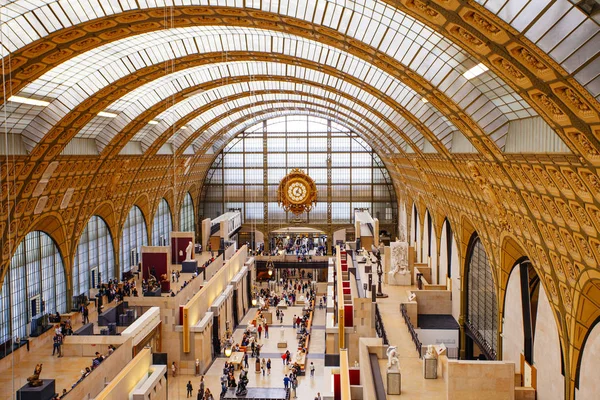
[266, 330]
[286, 382]
[208, 395]
[269, 366]
[263, 366]
[246, 360]
[318, 397]
[294, 385]
[294, 321]
[312, 370]
[259, 331]
[173, 369]
[56, 345]
[201, 389]
[189, 389]
[197, 364]
[86, 315]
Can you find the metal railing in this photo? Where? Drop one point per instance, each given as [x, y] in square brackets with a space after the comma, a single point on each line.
[379, 327]
[411, 329]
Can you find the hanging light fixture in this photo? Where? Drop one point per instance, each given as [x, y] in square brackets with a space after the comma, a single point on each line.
[270, 266]
[228, 351]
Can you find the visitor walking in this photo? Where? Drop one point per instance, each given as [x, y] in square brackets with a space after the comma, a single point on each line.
[260, 329]
[208, 395]
[312, 369]
[189, 389]
[269, 366]
[201, 389]
[286, 382]
[263, 366]
[266, 330]
[246, 360]
[86, 315]
[173, 369]
[294, 385]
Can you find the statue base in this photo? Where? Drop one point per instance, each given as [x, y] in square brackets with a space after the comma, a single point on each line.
[281, 345]
[394, 380]
[44, 392]
[399, 279]
[189, 266]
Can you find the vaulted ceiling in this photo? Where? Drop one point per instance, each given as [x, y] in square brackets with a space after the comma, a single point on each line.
[485, 113]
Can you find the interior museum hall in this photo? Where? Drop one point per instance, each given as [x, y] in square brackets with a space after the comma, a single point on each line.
[314, 200]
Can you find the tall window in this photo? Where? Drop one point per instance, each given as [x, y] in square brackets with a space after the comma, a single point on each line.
[95, 257]
[334, 156]
[163, 225]
[33, 285]
[482, 307]
[186, 215]
[135, 235]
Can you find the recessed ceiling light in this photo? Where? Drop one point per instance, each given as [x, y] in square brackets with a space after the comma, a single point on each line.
[424, 100]
[152, 122]
[27, 100]
[475, 71]
[107, 114]
[183, 128]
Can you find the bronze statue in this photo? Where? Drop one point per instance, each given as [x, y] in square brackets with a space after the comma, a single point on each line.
[34, 380]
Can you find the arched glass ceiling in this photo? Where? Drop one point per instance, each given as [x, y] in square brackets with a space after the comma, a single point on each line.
[139, 100]
[150, 133]
[76, 79]
[215, 119]
[235, 122]
[561, 29]
[241, 123]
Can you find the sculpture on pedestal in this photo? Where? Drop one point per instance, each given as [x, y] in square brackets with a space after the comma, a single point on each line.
[392, 355]
[430, 351]
[34, 380]
[399, 258]
[188, 251]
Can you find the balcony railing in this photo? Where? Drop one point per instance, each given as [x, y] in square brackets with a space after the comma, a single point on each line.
[379, 327]
[411, 329]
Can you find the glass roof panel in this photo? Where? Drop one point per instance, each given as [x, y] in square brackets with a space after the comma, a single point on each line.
[560, 28]
[364, 22]
[138, 101]
[300, 102]
[343, 125]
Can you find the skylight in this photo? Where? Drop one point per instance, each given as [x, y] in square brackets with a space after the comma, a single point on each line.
[27, 100]
[475, 71]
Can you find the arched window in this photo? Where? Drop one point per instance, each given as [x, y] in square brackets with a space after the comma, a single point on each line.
[482, 306]
[163, 225]
[33, 285]
[95, 257]
[135, 235]
[186, 215]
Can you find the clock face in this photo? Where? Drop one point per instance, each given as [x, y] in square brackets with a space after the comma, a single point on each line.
[297, 192]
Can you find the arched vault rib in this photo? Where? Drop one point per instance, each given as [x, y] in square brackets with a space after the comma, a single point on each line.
[477, 99]
[88, 35]
[204, 134]
[196, 115]
[68, 127]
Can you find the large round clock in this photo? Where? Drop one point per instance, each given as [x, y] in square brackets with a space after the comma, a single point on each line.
[297, 192]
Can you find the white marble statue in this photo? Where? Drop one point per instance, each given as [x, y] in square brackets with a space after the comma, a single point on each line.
[392, 355]
[399, 258]
[430, 351]
[188, 251]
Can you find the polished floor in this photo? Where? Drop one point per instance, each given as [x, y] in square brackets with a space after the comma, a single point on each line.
[414, 386]
[307, 386]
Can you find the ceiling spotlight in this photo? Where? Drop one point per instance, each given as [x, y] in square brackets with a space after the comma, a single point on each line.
[27, 100]
[107, 114]
[475, 71]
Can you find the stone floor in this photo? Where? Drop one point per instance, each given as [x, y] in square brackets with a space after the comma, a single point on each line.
[414, 386]
[307, 386]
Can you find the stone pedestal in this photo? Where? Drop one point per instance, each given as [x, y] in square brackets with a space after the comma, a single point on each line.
[399, 279]
[282, 305]
[189, 266]
[429, 367]
[394, 381]
[44, 392]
